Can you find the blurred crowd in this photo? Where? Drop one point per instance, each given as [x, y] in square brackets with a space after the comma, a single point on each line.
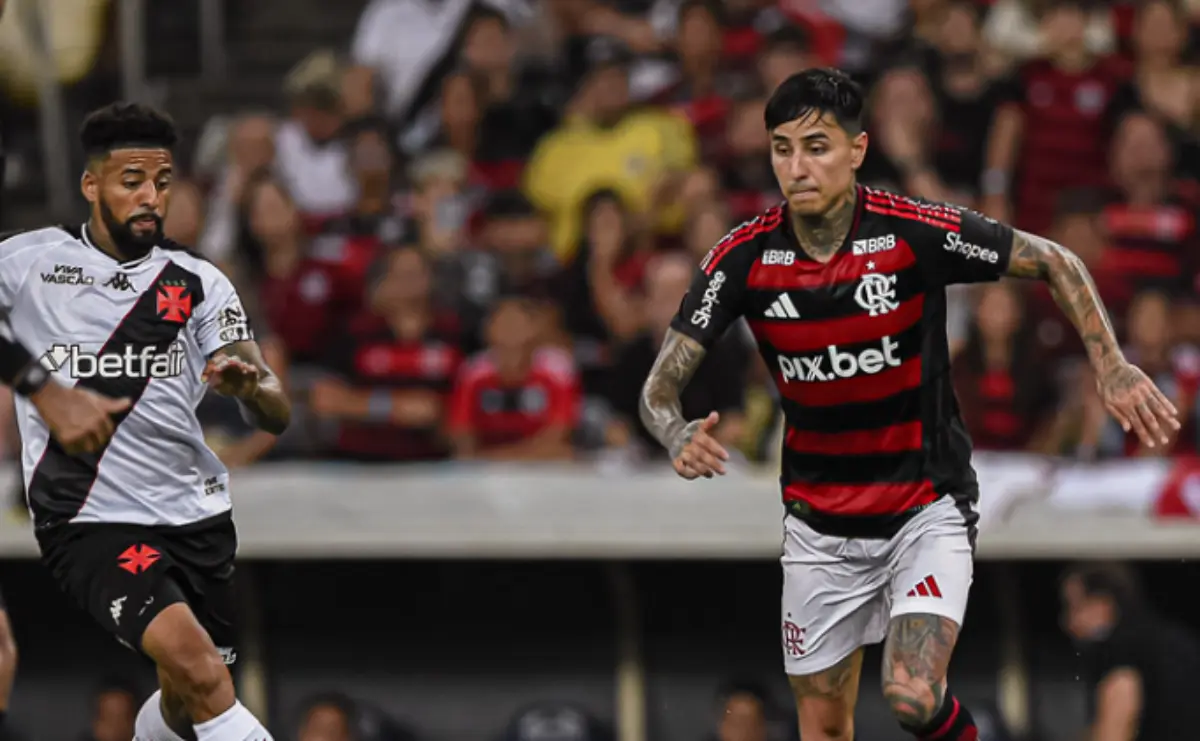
[467, 233]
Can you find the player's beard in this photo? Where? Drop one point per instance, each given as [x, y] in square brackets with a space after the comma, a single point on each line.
[131, 244]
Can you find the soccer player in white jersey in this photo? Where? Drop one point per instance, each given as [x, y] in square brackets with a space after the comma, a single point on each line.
[139, 532]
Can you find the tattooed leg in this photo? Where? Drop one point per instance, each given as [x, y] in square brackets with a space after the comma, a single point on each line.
[915, 660]
[825, 701]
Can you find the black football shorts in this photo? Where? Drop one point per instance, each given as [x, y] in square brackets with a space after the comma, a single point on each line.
[124, 575]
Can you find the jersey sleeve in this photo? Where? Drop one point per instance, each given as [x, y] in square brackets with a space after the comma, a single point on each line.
[17, 256]
[714, 300]
[957, 245]
[220, 319]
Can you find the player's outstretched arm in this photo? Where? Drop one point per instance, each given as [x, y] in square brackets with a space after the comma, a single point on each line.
[694, 452]
[239, 370]
[1128, 394]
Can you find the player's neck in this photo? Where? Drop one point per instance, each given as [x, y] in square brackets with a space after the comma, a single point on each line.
[98, 235]
[822, 236]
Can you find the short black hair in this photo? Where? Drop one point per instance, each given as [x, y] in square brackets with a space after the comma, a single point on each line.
[126, 125]
[820, 91]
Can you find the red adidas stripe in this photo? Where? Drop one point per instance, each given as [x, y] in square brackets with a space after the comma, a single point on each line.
[862, 499]
[858, 389]
[845, 268]
[910, 216]
[741, 235]
[933, 586]
[921, 590]
[903, 203]
[897, 438]
[793, 336]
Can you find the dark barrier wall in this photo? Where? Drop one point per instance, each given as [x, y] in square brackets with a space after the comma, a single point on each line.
[455, 648]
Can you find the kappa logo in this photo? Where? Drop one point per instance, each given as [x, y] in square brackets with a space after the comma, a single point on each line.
[119, 282]
[874, 244]
[174, 303]
[115, 609]
[70, 275]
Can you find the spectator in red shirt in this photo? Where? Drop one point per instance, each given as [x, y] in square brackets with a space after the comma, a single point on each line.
[516, 401]
[1050, 133]
[1151, 226]
[304, 300]
[1006, 394]
[396, 366]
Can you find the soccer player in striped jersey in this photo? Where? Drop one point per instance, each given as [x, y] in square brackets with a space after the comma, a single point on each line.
[844, 289]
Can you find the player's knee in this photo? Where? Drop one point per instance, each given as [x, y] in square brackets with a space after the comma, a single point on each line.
[184, 652]
[913, 702]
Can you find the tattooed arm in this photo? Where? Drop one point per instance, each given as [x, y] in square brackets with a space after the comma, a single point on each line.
[1129, 395]
[238, 370]
[693, 451]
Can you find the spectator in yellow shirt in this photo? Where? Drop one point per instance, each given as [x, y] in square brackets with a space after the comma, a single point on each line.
[607, 144]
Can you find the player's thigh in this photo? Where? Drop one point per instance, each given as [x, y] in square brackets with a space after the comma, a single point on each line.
[121, 575]
[932, 565]
[825, 701]
[833, 600]
[206, 561]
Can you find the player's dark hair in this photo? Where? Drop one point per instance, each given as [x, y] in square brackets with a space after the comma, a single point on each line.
[483, 13]
[1117, 581]
[816, 92]
[125, 126]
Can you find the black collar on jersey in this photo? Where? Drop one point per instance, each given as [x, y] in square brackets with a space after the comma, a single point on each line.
[83, 237]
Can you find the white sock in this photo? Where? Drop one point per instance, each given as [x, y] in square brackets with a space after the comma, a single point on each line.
[150, 724]
[235, 724]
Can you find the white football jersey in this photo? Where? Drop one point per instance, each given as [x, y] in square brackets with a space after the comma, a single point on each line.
[141, 330]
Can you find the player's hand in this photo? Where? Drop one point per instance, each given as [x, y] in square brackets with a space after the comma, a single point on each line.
[700, 453]
[1133, 399]
[80, 419]
[231, 376]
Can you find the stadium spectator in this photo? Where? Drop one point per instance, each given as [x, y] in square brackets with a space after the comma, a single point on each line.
[746, 174]
[1151, 224]
[1137, 665]
[785, 52]
[1006, 394]
[518, 400]
[440, 207]
[902, 123]
[966, 100]
[640, 153]
[396, 364]
[114, 710]
[1013, 31]
[304, 300]
[251, 151]
[1162, 84]
[186, 217]
[511, 254]
[743, 710]
[719, 384]
[329, 717]
[311, 159]
[1050, 130]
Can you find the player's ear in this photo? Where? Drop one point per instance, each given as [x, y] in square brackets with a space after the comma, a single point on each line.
[89, 185]
[858, 150]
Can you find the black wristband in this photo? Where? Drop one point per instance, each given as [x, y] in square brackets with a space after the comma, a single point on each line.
[31, 379]
[15, 360]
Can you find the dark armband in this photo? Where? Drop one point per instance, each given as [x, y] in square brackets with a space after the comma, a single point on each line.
[19, 369]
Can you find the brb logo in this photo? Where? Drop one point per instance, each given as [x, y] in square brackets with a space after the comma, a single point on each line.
[133, 363]
[841, 364]
[955, 243]
[702, 316]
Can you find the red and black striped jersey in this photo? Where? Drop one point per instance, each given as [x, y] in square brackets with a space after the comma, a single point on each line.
[858, 349]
